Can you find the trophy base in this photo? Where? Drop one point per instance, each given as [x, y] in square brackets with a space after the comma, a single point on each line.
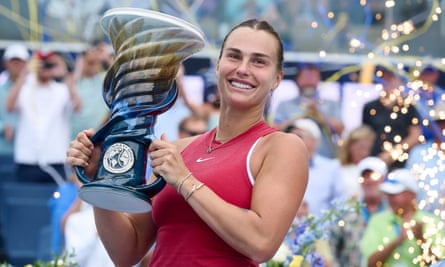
[115, 198]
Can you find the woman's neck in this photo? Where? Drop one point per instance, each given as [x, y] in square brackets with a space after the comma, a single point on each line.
[231, 125]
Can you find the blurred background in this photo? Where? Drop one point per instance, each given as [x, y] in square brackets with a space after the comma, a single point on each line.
[346, 30]
[347, 39]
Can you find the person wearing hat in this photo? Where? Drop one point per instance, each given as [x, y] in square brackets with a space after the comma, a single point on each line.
[326, 113]
[324, 183]
[429, 95]
[15, 58]
[394, 119]
[426, 160]
[42, 136]
[372, 172]
[402, 235]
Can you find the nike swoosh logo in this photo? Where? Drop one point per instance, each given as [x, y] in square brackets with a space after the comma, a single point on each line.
[204, 159]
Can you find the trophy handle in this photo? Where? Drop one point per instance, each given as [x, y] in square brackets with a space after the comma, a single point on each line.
[99, 136]
[133, 195]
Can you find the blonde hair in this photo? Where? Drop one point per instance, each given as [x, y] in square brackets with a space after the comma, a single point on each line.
[362, 132]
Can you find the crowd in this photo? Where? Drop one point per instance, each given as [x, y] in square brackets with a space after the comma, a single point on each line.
[392, 162]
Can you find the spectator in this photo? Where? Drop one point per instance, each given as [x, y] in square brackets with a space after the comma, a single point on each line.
[59, 204]
[426, 161]
[326, 113]
[346, 238]
[81, 237]
[356, 146]
[209, 109]
[192, 126]
[394, 119]
[105, 53]
[15, 59]
[429, 95]
[403, 234]
[87, 80]
[325, 183]
[42, 136]
[168, 122]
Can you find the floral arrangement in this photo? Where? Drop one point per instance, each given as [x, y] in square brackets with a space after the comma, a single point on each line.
[57, 261]
[302, 244]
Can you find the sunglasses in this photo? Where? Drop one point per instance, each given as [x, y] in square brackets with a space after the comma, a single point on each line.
[191, 132]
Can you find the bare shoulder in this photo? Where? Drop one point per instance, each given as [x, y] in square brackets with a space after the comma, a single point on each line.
[280, 141]
[280, 151]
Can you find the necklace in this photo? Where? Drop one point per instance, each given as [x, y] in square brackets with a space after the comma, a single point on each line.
[212, 148]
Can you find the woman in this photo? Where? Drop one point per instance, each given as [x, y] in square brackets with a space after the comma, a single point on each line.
[232, 192]
[356, 146]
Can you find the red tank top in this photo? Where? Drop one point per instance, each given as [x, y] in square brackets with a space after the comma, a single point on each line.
[183, 238]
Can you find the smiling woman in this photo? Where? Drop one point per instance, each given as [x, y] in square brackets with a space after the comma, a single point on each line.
[229, 215]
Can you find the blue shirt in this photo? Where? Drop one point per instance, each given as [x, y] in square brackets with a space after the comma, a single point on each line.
[6, 146]
[295, 108]
[325, 184]
[93, 110]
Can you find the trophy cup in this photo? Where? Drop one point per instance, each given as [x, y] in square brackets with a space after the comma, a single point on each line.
[149, 48]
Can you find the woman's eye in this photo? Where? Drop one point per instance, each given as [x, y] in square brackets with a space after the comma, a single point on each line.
[234, 56]
[259, 62]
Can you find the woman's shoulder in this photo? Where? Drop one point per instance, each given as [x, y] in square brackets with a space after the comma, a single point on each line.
[283, 142]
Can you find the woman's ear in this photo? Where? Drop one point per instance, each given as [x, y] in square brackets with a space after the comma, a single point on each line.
[278, 80]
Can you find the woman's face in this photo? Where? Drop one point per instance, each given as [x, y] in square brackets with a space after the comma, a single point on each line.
[360, 149]
[247, 71]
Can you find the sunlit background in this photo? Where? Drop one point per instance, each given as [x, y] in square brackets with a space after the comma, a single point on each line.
[347, 37]
[343, 29]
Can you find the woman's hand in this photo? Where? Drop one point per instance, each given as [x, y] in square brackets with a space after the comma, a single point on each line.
[83, 153]
[166, 161]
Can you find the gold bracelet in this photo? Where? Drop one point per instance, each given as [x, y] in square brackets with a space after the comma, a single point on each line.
[194, 188]
[182, 182]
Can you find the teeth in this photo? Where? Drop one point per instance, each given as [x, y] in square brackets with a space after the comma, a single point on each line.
[241, 85]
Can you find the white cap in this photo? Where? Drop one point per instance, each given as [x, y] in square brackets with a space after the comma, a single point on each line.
[16, 51]
[398, 181]
[309, 126]
[374, 164]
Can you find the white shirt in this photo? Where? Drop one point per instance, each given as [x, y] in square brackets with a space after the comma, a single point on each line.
[81, 238]
[43, 129]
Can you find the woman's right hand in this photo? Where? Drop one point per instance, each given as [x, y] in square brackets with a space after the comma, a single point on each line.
[83, 153]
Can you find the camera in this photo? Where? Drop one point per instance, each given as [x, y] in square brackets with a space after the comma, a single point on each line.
[48, 65]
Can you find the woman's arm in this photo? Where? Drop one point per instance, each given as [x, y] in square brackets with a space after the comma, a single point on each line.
[126, 237]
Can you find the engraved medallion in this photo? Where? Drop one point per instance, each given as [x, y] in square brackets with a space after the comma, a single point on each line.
[118, 158]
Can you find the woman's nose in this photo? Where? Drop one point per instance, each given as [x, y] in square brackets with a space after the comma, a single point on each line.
[243, 68]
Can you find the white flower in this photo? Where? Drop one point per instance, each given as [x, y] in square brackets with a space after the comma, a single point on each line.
[282, 253]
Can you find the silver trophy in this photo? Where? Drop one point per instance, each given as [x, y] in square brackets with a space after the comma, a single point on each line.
[149, 49]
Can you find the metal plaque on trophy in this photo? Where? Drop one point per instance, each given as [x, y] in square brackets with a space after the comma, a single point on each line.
[149, 48]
